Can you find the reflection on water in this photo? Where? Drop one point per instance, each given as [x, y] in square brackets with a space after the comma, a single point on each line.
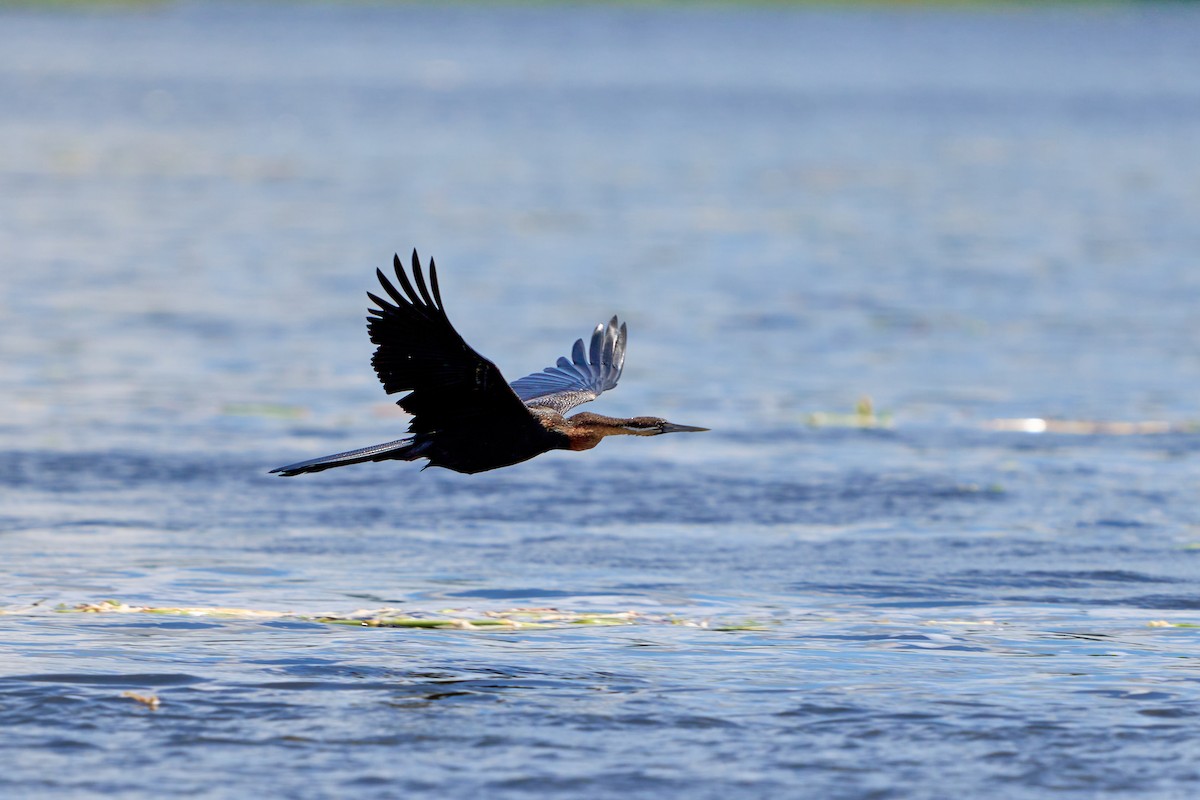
[972, 219]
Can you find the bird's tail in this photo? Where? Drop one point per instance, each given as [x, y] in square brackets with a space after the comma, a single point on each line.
[403, 449]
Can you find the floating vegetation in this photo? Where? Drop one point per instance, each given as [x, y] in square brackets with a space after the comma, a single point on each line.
[743, 626]
[150, 701]
[117, 607]
[525, 618]
[267, 410]
[863, 416]
[510, 619]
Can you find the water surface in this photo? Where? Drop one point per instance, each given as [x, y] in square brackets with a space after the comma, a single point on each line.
[965, 216]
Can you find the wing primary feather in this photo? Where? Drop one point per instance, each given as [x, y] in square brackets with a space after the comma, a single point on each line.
[583, 368]
[567, 370]
[405, 283]
[390, 289]
[621, 339]
[433, 284]
[379, 301]
[595, 348]
[610, 344]
[420, 279]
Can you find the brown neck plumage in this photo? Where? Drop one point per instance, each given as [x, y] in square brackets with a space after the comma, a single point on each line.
[585, 430]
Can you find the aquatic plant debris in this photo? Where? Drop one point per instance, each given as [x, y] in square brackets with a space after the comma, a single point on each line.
[395, 618]
[266, 410]
[863, 416]
[519, 618]
[117, 607]
[150, 701]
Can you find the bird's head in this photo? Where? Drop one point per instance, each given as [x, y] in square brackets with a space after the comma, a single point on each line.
[653, 426]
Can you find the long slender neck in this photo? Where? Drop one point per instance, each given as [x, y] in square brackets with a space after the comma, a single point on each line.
[585, 430]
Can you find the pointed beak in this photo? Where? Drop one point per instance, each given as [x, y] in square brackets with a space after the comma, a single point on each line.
[671, 427]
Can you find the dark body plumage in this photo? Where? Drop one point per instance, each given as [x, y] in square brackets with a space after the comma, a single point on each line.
[466, 417]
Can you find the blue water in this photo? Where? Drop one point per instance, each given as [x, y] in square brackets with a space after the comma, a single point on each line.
[966, 216]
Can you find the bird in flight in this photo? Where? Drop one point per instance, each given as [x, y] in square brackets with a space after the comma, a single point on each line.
[465, 416]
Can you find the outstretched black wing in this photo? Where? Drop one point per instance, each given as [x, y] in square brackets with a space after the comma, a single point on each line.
[583, 378]
[452, 390]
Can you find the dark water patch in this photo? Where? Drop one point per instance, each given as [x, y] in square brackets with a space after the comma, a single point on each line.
[68, 745]
[1113, 523]
[513, 594]
[822, 711]
[1098, 597]
[1064, 579]
[99, 524]
[1104, 576]
[22, 704]
[1181, 602]
[1168, 712]
[471, 686]
[131, 680]
[324, 686]
[293, 625]
[630, 494]
[166, 624]
[92, 471]
[895, 592]
[1138, 696]
[637, 496]
[261, 572]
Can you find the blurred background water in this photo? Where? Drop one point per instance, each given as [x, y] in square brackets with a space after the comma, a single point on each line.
[963, 214]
